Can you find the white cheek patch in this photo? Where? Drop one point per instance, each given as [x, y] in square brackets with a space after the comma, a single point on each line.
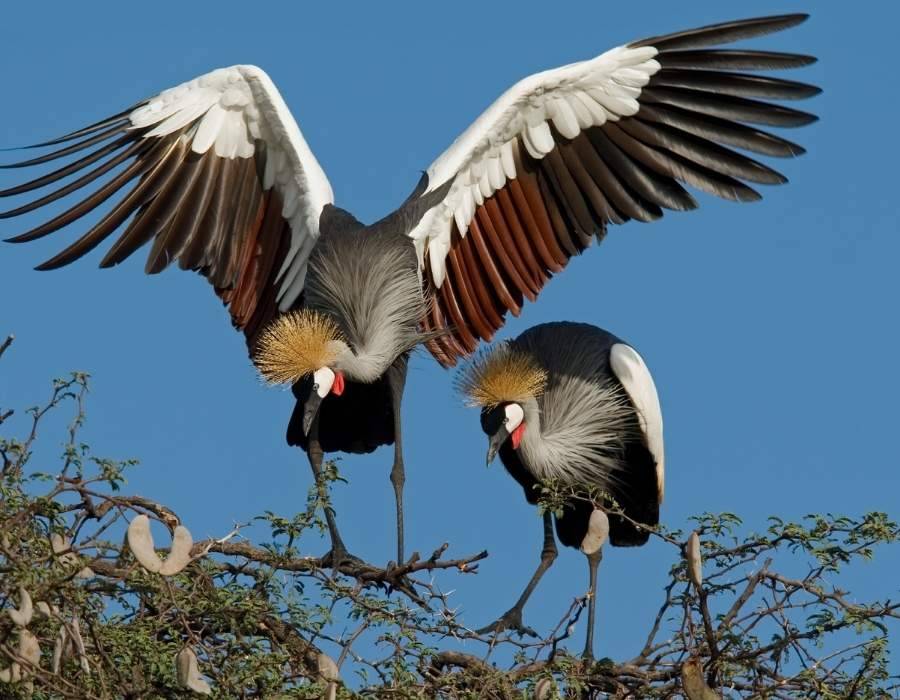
[323, 378]
[514, 417]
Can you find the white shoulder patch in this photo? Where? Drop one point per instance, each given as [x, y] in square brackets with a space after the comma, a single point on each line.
[630, 369]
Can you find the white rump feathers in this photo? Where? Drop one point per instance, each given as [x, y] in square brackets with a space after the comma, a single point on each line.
[571, 98]
[632, 372]
[233, 109]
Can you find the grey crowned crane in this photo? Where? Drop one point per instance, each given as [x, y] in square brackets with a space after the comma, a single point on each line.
[223, 183]
[572, 404]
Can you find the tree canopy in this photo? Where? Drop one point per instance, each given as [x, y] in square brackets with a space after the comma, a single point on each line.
[92, 607]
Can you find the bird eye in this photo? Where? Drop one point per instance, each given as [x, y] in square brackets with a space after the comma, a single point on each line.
[505, 421]
[315, 387]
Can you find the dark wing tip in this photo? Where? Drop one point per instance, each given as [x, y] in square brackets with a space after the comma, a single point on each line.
[21, 238]
[48, 265]
[723, 32]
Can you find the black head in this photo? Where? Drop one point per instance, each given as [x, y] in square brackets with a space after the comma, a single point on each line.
[492, 419]
[312, 389]
[501, 423]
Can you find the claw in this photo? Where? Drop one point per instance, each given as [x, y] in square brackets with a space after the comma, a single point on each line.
[510, 620]
[338, 556]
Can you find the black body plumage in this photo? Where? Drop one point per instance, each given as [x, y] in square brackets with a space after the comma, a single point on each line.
[582, 352]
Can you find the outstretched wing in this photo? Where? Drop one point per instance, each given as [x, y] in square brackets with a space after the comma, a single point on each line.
[565, 152]
[632, 372]
[222, 181]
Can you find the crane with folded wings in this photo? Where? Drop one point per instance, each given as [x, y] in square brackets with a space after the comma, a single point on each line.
[221, 181]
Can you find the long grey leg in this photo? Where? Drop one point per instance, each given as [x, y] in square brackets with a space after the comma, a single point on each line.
[397, 382]
[593, 564]
[315, 454]
[512, 618]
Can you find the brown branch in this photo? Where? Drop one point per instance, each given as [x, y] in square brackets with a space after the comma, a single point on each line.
[742, 599]
[366, 573]
[711, 641]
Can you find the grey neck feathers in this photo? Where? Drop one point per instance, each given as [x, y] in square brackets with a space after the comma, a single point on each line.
[576, 431]
[367, 282]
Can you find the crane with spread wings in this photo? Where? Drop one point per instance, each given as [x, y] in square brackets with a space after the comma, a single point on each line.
[215, 176]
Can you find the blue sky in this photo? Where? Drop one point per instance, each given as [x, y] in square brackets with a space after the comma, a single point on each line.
[770, 328]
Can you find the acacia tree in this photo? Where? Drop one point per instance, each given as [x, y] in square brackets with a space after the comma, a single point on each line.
[90, 608]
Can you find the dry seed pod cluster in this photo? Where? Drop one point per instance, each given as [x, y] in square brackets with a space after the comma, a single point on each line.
[140, 542]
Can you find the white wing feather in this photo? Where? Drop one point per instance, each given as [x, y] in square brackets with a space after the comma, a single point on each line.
[236, 107]
[480, 161]
[631, 370]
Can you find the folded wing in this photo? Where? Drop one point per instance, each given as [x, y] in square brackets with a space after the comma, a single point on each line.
[567, 151]
[632, 372]
[221, 181]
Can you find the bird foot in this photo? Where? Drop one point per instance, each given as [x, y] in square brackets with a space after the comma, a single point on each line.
[510, 620]
[338, 558]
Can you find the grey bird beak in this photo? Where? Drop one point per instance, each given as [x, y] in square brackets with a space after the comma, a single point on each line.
[496, 440]
[310, 410]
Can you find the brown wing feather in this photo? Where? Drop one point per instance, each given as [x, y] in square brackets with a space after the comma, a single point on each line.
[208, 213]
[691, 116]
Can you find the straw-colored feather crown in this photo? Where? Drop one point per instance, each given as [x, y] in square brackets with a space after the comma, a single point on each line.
[296, 344]
[501, 374]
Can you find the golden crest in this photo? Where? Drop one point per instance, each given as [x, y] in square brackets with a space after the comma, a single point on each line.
[296, 344]
[501, 374]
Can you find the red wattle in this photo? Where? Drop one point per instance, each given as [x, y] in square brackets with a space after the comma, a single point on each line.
[338, 387]
[517, 436]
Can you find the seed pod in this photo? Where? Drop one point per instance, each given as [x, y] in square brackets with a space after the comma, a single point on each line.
[694, 560]
[544, 689]
[328, 669]
[79, 645]
[13, 674]
[695, 687]
[29, 651]
[188, 672]
[59, 648]
[180, 552]
[29, 648]
[21, 616]
[329, 672]
[63, 547]
[598, 531]
[140, 541]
